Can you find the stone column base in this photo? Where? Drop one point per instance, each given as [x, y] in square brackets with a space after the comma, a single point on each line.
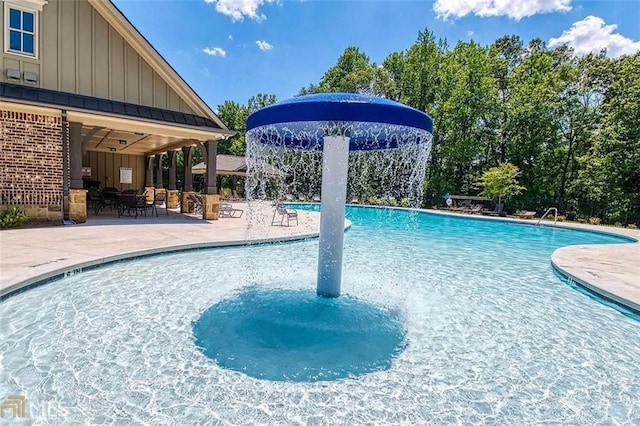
[172, 198]
[151, 193]
[210, 206]
[78, 205]
[186, 206]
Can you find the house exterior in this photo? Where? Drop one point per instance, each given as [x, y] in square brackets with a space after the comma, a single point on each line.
[84, 96]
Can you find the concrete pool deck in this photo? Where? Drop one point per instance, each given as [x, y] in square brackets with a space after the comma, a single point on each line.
[31, 255]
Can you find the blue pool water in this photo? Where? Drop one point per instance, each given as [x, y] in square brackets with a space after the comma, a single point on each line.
[287, 335]
[490, 334]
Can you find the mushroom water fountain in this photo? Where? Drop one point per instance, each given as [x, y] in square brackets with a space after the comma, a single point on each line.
[314, 134]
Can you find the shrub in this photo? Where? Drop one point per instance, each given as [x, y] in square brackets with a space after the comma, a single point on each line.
[372, 200]
[404, 202]
[11, 217]
[594, 220]
[226, 192]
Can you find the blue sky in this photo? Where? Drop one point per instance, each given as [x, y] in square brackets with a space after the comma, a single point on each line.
[234, 49]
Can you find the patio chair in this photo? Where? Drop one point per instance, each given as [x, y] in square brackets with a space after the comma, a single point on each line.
[134, 202]
[227, 210]
[158, 200]
[282, 212]
[95, 200]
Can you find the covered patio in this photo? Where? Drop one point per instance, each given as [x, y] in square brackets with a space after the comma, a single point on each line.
[121, 146]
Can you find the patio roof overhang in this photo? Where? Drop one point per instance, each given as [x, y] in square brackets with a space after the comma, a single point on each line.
[112, 126]
[233, 165]
[136, 136]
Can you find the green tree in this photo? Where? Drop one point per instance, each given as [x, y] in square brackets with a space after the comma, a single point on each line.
[580, 114]
[351, 74]
[466, 104]
[389, 78]
[234, 116]
[619, 141]
[500, 182]
[423, 89]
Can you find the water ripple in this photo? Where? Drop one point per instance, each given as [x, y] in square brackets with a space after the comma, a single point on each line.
[492, 335]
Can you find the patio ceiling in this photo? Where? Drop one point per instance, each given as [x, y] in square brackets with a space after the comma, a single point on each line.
[137, 136]
[133, 143]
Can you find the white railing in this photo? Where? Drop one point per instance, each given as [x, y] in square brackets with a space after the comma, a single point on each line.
[28, 197]
[549, 210]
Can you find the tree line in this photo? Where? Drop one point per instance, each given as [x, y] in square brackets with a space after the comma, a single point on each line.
[571, 125]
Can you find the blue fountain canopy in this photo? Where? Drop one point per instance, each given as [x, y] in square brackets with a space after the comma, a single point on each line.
[295, 122]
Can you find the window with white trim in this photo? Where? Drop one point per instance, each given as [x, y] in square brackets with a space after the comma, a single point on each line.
[20, 30]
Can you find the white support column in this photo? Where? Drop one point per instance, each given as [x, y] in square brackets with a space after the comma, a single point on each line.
[335, 167]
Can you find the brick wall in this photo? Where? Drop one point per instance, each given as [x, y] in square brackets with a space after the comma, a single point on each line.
[30, 159]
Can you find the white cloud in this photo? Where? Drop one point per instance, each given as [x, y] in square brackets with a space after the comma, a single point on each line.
[470, 33]
[214, 51]
[263, 45]
[230, 37]
[239, 9]
[515, 9]
[592, 35]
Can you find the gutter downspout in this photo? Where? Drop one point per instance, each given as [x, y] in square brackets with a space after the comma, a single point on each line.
[65, 170]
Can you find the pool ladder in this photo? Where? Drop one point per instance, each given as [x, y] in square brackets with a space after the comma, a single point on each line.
[549, 210]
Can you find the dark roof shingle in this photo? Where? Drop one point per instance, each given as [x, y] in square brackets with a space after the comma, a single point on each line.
[70, 100]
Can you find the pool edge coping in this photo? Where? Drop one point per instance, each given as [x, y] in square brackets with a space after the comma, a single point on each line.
[600, 292]
[595, 289]
[59, 273]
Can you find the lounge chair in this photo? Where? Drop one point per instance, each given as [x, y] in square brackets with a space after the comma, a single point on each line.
[227, 210]
[477, 208]
[282, 212]
[526, 215]
[497, 210]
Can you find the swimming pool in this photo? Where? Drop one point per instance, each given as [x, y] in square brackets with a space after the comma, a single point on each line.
[492, 333]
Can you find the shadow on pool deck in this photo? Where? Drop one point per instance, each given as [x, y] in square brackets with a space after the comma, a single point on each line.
[111, 218]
